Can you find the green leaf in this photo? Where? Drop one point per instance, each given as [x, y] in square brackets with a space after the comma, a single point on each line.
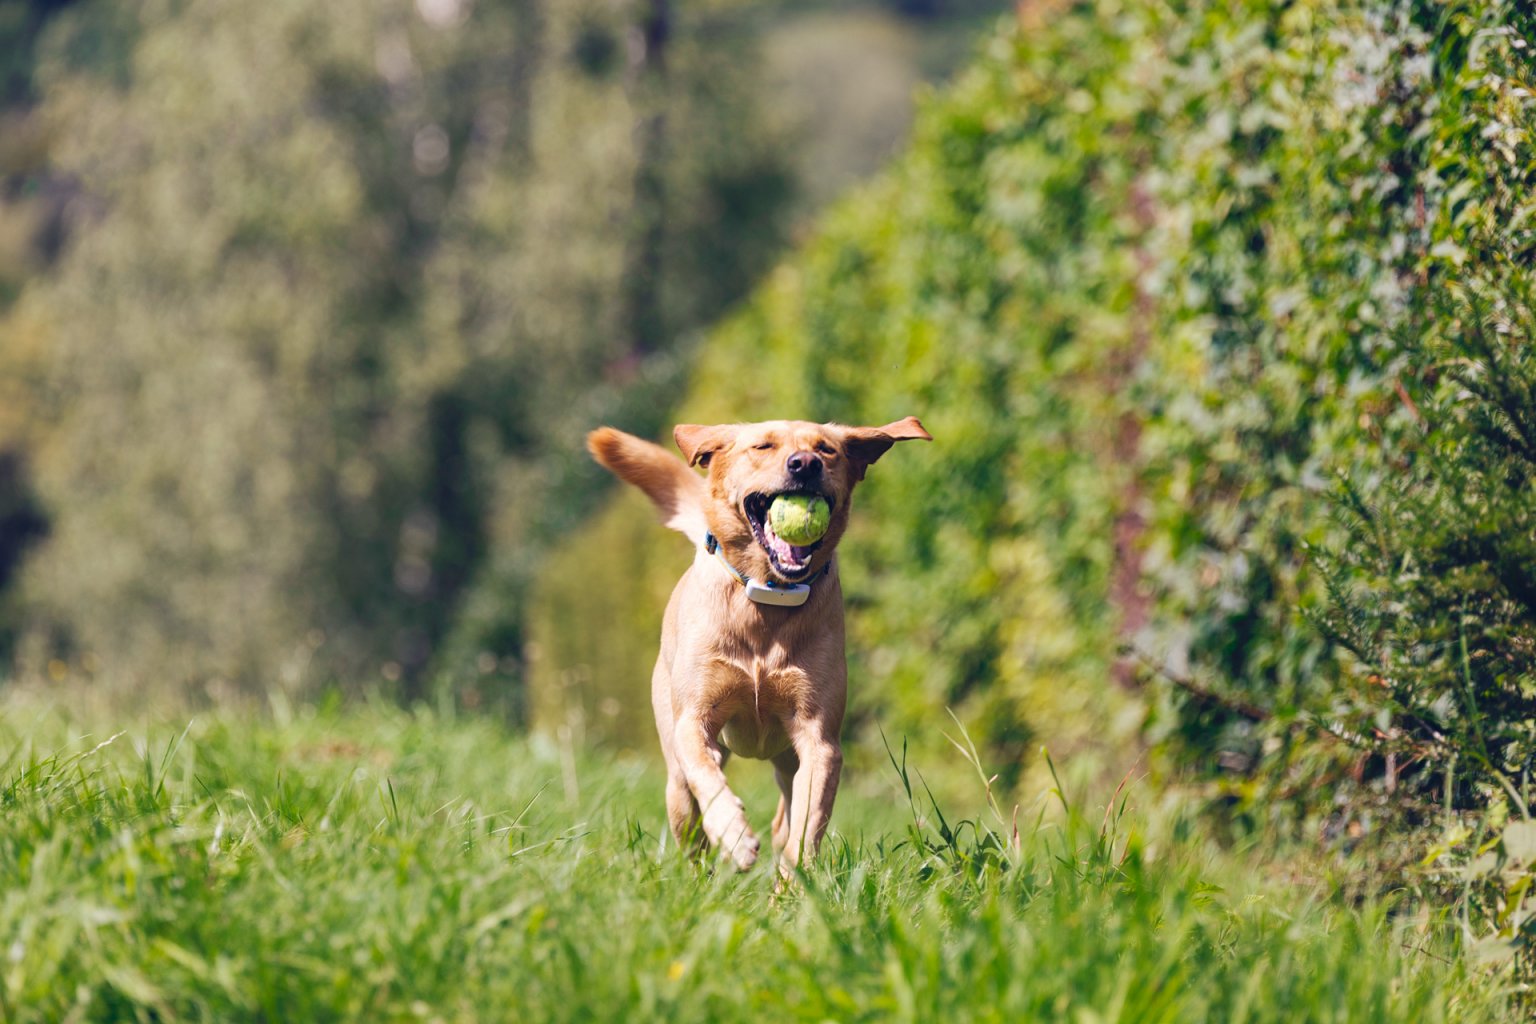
[1520, 841]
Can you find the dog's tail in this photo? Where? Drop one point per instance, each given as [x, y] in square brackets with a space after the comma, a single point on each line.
[677, 491]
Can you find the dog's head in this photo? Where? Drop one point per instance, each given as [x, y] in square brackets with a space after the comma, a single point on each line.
[750, 464]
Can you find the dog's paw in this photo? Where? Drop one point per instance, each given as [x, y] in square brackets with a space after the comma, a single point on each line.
[726, 826]
[742, 849]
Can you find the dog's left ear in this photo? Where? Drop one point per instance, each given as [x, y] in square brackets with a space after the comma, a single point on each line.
[866, 444]
[700, 443]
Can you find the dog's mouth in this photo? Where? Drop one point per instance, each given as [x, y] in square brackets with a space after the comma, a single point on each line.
[791, 561]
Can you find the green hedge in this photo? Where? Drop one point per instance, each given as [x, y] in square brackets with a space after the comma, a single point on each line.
[1157, 277]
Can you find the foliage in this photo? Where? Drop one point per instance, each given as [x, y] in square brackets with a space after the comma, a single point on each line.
[1157, 276]
[338, 281]
[1432, 594]
[382, 865]
[897, 308]
[304, 310]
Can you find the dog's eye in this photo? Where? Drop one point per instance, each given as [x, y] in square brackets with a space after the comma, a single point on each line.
[765, 446]
[825, 449]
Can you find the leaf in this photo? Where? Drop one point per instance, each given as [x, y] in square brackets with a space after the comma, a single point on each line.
[1483, 865]
[1491, 950]
[1520, 841]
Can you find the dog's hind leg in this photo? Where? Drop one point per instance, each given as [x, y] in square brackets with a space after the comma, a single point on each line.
[682, 810]
[784, 767]
[683, 816]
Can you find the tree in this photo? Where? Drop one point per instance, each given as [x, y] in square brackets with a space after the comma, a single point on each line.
[338, 281]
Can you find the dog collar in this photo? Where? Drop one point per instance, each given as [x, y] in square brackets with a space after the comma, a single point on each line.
[782, 595]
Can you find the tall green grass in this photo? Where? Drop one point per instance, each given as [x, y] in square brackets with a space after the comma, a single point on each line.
[387, 866]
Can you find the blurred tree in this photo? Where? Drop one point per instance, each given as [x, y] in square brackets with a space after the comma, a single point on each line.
[646, 82]
[339, 282]
[31, 204]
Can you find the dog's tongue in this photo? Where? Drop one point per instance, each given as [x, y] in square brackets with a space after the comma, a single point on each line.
[789, 556]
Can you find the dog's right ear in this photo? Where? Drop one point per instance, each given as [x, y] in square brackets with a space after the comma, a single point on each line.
[699, 444]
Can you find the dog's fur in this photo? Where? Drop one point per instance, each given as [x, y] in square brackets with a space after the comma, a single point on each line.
[738, 677]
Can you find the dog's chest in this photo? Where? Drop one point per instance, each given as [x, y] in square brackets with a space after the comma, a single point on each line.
[758, 696]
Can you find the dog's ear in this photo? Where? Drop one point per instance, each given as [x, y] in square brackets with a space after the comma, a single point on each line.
[866, 444]
[700, 443]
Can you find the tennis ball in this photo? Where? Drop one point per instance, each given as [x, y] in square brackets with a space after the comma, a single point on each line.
[799, 518]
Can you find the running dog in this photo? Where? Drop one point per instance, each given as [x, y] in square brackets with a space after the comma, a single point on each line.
[751, 658]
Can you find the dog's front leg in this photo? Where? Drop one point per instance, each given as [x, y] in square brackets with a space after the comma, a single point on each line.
[814, 790]
[700, 756]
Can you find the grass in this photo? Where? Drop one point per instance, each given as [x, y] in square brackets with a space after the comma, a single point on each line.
[378, 865]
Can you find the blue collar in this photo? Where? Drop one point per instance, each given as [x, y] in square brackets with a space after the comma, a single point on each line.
[782, 595]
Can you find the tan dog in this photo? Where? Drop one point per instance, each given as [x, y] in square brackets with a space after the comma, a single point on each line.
[752, 644]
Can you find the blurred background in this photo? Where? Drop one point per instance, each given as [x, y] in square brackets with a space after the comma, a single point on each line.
[305, 309]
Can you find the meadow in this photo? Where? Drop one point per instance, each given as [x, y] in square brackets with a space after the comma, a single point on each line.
[1220, 314]
[370, 863]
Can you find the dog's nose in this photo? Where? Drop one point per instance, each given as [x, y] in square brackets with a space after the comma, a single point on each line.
[804, 465]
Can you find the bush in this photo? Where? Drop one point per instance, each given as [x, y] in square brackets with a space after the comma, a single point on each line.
[1157, 277]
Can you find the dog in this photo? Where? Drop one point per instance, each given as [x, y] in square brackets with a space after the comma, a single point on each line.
[751, 659]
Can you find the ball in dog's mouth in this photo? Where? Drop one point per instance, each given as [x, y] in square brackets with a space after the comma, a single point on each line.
[791, 561]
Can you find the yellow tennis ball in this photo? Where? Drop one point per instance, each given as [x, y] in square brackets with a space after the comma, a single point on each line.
[799, 518]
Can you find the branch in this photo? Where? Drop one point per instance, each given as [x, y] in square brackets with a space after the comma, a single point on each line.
[1202, 694]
